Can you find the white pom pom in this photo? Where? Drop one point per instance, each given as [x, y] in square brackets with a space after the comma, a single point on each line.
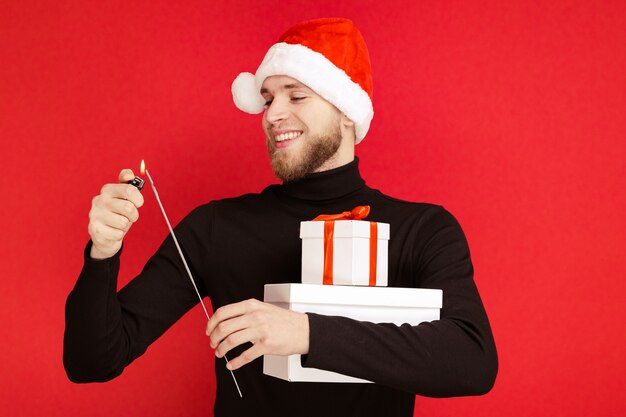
[246, 95]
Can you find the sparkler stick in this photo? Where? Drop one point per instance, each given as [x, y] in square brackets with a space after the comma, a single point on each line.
[180, 252]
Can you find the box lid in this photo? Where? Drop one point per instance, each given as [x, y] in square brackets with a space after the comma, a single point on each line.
[343, 228]
[354, 295]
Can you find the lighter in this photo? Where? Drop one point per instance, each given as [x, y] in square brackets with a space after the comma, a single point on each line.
[137, 182]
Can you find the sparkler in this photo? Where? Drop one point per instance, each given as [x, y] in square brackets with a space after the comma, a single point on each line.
[138, 182]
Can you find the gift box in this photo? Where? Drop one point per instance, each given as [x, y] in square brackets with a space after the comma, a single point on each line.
[373, 304]
[344, 252]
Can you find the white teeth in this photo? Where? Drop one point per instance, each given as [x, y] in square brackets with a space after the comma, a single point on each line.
[285, 136]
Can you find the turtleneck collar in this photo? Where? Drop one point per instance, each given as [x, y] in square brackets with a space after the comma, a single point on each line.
[327, 185]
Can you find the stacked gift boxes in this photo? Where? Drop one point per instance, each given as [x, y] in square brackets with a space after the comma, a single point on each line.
[344, 273]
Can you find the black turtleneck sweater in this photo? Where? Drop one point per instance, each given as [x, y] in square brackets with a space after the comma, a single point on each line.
[235, 246]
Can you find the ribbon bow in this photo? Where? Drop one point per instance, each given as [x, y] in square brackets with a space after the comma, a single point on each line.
[357, 213]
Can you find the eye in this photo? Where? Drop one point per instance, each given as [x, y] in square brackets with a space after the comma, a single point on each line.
[267, 104]
[297, 98]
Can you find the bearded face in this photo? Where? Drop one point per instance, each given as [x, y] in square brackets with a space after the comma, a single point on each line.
[303, 131]
[314, 151]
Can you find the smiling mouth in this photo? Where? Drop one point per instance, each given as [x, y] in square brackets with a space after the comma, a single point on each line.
[284, 139]
[287, 136]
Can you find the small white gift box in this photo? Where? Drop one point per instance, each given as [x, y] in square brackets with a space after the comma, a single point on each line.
[344, 259]
[373, 304]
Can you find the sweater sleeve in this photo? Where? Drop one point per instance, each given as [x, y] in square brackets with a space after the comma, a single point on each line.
[453, 356]
[106, 330]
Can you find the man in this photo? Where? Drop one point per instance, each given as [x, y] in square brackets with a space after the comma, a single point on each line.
[315, 89]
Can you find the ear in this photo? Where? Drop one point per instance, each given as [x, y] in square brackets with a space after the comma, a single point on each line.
[346, 121]
[347, 126]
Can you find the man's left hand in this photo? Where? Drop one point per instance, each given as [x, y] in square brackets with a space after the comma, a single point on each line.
[271, 330]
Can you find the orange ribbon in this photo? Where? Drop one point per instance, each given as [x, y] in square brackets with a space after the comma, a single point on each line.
[373, 252]
[357, 213]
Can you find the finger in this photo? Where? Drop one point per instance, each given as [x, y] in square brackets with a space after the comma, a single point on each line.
[228, 312]
[227, 328]
[123, 208]
[126, 175]
[235, 339]
[123, 192]
[101, 234]
[102, 205]
[245, 358]
[115, 221]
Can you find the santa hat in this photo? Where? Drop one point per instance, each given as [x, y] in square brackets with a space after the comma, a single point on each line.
[327, 55]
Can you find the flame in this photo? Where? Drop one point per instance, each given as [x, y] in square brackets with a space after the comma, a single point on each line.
[143, 167]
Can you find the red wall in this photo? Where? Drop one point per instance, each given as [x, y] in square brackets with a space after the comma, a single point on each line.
[510, 114]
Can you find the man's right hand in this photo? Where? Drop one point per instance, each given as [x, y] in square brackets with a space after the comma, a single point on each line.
[112, 213]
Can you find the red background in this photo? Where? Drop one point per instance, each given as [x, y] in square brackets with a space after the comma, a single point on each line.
[510, 114]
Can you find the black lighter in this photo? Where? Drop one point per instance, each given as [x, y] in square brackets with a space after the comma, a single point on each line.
[137, 182]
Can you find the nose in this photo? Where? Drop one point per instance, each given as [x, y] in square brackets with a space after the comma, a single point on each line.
[276, 112]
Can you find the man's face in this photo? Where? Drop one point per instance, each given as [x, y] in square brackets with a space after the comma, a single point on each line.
[303, 131]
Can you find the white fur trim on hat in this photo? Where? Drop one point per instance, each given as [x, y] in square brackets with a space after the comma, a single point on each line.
[250, 103]
[316, 72]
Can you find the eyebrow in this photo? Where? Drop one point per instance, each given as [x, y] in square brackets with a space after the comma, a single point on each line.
[289, 86]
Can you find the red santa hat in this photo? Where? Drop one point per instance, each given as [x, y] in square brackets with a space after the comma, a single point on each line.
[327, 55]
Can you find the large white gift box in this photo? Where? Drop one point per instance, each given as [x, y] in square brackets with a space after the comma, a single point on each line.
[346, 256]
[373, 304]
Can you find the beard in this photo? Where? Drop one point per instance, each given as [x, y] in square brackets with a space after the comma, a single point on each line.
[314, 153]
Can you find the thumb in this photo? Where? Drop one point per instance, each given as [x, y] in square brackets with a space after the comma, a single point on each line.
[126, 175]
